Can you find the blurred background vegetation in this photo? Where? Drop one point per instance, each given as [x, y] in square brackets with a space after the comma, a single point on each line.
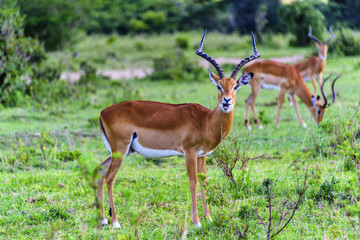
[54, 22]
[84, 35]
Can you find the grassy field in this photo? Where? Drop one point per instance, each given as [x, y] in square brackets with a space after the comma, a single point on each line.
[48, 156]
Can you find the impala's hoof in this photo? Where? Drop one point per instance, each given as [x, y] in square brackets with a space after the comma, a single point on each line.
[249, 127]
[104, 221]
[116, 225]
[277, 126]
[260, 127]
[304, 125]
[198, 225]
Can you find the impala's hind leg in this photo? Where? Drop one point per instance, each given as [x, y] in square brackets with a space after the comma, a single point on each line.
[280, 102]
[255, 88]
[247, 117]
[100, 194]
[115, 164]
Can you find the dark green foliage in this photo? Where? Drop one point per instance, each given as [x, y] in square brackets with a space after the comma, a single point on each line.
[52, 21]
[327, 191]
[19, 55]
[182, 41]
[343, 13]
[244, 15]
[24, 74]
[89, 72]
[176, 66]
[345, 43]
[297, 17]
[68, 155]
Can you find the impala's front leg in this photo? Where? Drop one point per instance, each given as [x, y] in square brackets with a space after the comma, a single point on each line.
[280, 102]
[201, 164]
[191, 167]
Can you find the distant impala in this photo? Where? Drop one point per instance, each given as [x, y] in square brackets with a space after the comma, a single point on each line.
[314, 67]
[155, 129]
[289, 80]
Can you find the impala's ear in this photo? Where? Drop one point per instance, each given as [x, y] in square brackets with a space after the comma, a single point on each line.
[313, 100]
[318, 46]
[245, 79]
[213, 77]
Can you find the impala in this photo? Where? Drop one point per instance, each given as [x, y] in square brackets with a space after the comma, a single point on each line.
[155, 129]
[289, 80]
[314, 67]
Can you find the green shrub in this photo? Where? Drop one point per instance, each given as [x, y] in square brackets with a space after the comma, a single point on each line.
[155, 21]
[66, 154]
[89, 72]
[297, 17]
[175, 66]
[136, 25]
[345, 43]
[327, 191]
[182, 41]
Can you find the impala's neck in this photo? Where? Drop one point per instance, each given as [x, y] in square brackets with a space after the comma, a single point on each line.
[218, 125]
[322, 57]
[304, 93]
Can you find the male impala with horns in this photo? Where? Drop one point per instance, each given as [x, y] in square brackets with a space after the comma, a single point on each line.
[155, 129]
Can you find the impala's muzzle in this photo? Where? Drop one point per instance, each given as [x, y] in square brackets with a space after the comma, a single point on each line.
[226, 105]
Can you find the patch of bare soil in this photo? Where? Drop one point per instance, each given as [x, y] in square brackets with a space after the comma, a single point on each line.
[131, 73]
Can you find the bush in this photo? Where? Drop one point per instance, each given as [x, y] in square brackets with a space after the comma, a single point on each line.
[297, 17]
[52, 21]
[175, 66]
[345, 43]
[24, 74]
[155, 21]
[327, 191]
[182, 41]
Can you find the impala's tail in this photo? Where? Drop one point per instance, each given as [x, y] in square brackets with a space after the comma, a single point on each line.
[107, 162]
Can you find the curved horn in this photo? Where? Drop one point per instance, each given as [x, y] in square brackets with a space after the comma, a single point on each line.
[246, 60]
[312, 37]
[331, 37]
[332, 87]
[208, 58]
[322, 91]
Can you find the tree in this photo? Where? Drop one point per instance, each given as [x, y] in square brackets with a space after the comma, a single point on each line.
[18, 56]
[297, 17]
[53, 21]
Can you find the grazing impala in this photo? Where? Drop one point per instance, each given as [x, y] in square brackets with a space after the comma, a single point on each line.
[155, 129]
[314, 67]
[289, 80]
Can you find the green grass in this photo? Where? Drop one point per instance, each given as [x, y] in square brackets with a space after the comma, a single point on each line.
[45, 197]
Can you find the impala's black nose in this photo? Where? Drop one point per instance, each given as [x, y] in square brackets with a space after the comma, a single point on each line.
[227, 99]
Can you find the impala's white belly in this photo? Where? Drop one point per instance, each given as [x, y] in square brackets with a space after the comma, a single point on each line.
[153, 153]
[158, 153]
[306, 78]
[270, 86]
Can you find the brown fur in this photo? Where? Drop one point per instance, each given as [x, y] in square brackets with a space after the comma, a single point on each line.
[314, 67]
[186, 128]
[288, 78]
